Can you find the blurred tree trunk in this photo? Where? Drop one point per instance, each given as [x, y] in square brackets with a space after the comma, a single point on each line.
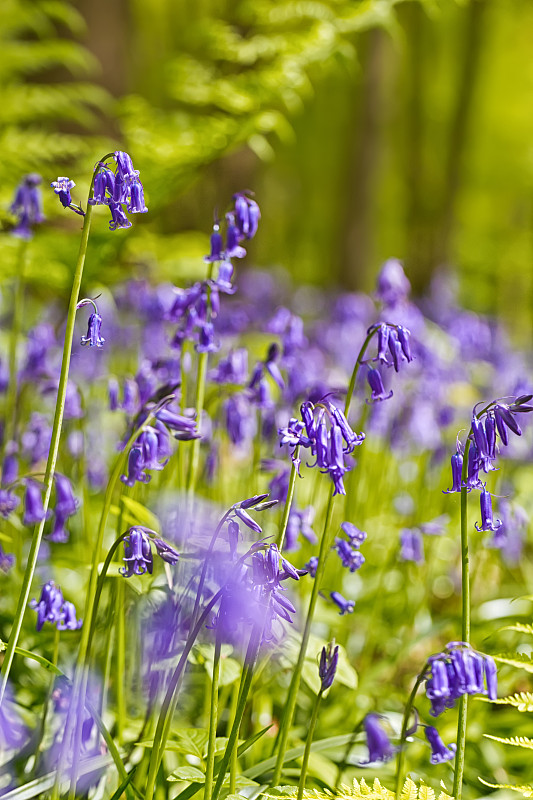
[472, 46]
[364, 160]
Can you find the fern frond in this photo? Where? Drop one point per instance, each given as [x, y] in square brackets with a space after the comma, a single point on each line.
[521, 627]
[516, 741]
[361, 790]
[516, 660]
[523, 701]
[526, 789]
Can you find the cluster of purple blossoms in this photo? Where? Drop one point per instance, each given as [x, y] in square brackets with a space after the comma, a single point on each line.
[380, 747]
[459, 670]
[27, 206]
[325, 431]
[120, 190]
[393, 348]
[255, 594]
[66, 506]
[348, 550]
[194, 308]
[52, 607]
[138, 551]
[495, 421]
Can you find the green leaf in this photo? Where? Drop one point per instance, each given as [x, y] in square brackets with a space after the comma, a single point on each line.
[409, 791]
[526, 790]
[516, 741]
[141, 515]
[523, 701]
[187, 774]
[516, 660]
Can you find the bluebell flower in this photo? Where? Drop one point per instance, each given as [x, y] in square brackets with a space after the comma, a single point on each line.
[118, 217]
[149, 441]
[52, 607]
[104, 186]
[217, 244]
[355, 535]
[66, 503]
[93, 338]
[349, 555]
[33, 504]
[62, 188]
[135, 199]
[439, 751]
[166, 552]
[459, 670]
[27, 206]
[312, 566]
[487, 521]
[375, 382]
[393, 286]
[233, 239]
[412, 545]
[137, 553]
[379, 744]
[346, 606]
[246, 215]
[232, 369]
[135, 468]
[457, 472]
[327, 668]
[8, 502]
[6, 560]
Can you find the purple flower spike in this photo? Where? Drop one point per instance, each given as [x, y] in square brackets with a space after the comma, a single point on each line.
[379, 744]
[328, 665]
[346, 606]
[439, 752]
[487, 521]
[93, 338]
[137, 553]
[376, 384]
[33, 504]
[62, 188]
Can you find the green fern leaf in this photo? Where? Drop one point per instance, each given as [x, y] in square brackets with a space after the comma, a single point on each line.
[410, 790]
[516, 660]
[425, 792]
[523, 701]
[520, 627]
[526, 790]
[516, 741]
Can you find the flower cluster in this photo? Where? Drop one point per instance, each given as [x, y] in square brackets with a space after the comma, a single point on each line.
[255, 594]
[120, 190]
[348, 550]
[241, 224]
[138, 551]
[52, 607]
[459, 670]
[27, 206]
[325, 431]
[394, 347]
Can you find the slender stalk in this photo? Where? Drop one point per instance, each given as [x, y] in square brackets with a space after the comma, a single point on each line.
[403, 735]
[16, 324]
[52, 454]
[290, 705]
[288, 501]
[192, 475]
[246, 682]
[120, 663]
[465, 631]
[357, 365]
[308, 743]
[213, 719]
[46, 706]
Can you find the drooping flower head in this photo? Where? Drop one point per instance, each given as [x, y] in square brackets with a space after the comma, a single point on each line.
[439, 751]
[27, 206]
[327, 668]
[378, 742]
[52, 607]
[459, 670]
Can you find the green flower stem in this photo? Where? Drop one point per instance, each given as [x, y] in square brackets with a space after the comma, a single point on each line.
[405, 724]
[288, 502]
[82, 662]
[465, 630]
[46, 706]
[10, 415]
[246, 682]
[290, 705]
[325, 546]
[308, 743]
[194, 463]
[52, 453]
[171, 698]
[213, 719]
[120, 663]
